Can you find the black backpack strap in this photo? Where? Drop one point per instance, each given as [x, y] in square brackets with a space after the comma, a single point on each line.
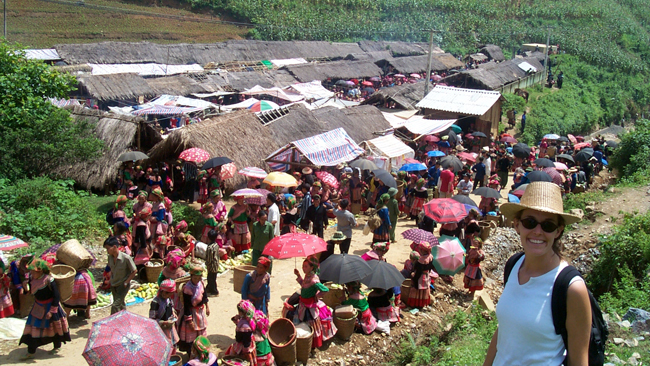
[509, 265]
[559, 300]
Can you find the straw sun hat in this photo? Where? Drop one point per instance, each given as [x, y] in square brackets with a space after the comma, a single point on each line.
[540, 196]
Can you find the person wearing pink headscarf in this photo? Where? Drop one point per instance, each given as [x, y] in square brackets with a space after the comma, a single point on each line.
[244, 345]
[420, 278]
[162, 311]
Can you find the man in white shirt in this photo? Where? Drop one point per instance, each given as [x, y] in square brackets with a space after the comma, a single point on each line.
[488, 164]
[274, 213]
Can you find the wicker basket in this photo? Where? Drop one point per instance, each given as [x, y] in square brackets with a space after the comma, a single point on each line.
[485, 229]
[406, 290]
[175, 360]
[26, 303]
[303, 348]
[345, 327]
[153, 272]
[332, 298]
[64, 277]
[282, 336]
[233, 361]
[239, 273]
[74, 254]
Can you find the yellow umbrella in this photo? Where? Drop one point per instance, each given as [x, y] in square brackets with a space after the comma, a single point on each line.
[280, 179]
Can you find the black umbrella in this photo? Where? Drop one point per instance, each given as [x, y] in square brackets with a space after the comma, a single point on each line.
[369, 90]
[464, 200]
[487, 192]
[385, 177]
[563, 139]
[544, 163]
[539, 176]
[521, 150]
[133, 156]
[344, 268]
[216, 162]
[567, 157]
[364, 164]
[478, 134]
[611, 143]
[584, 154]
[453, 161]
[383, 275]
[453, 138]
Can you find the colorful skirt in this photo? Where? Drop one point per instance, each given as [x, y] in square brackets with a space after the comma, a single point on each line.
[473, 279]
[381, 237]
[366, 322]
[417, 205]
[238, 348]
[187, 332]
[40, 331]
[242, 237]
[6, 306]
[388, 313]
[319, 318]
[83, 292]
[266, 360]
[419, 298]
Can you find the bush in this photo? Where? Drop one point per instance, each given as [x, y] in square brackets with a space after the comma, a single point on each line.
[633, 153]
[627, 292]
[194, 219]
[43, 212]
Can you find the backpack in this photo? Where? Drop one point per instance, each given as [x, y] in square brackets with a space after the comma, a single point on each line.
[599, 331]
[374, 221]
[109, 217]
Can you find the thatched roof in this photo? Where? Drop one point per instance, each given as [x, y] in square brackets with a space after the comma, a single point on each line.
[182, 85]
[417, 64]
[373, 56]
[115, 86]
[406, 96]
[398, 48]
[119, 133]
[239, 81]
[493, 52]
[185, 54]
[492, 75]
[239, 136]
[334, 70]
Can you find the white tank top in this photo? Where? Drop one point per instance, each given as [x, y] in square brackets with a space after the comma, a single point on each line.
[526, 332]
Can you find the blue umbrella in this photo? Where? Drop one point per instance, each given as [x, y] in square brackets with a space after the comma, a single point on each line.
[513, 198]
[509, 149]
[414, 167]
[435, 154]
[443, 143]
[469, 207]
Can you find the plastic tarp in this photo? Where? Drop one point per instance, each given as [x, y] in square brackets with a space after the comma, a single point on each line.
[391, 146]
[288, 61]
[428, 126]
[165, 110]
[48, 54]
[241, 105]
[150, 69]
[397, 122]
[274, 92]
[331, 102]
[311, 90]
[64, 102]
[11, 328]
[327, 149]
[527, 67]
[208, 95]
[180, 101]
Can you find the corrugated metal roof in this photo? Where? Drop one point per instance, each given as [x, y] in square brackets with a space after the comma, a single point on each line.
[459, 100]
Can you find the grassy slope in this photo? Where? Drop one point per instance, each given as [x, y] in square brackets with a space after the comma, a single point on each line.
[35, 23]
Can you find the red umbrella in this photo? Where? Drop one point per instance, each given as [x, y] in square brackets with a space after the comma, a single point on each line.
[126, 338]
[419, 235]
[508, 139]
[581, 145]
[431, 138]
[445, 210]
[415, 76]
[294, 245]
[412, 161]
[194, 154]
[228, 171]
[572, 138]
[466, 156]
[328, 179]
[366, 83]
[580, 138]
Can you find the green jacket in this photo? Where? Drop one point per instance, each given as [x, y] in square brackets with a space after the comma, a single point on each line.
[393, 210]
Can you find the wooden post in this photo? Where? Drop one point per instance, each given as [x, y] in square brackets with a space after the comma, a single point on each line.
[138, 136]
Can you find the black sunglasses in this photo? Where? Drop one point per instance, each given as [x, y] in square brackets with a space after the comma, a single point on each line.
[530, 223]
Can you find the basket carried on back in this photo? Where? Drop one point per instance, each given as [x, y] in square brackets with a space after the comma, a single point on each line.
[282, 336]
[332, 298]
[74, 254]
[238, 276]
[64, 277]
[153, 271]
[406, 290]
[26, 303]
[345, 326]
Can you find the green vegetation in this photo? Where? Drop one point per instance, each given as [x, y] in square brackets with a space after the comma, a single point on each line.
[36, 136]
[583, 199]
[632, 157]
[44, 212]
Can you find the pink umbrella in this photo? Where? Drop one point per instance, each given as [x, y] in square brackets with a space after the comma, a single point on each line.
[8, 242]
[436, 77]
[228, 171]
[581, 145]
[448, 256]
[375, 78]
[572, 138]
[416, 76]
[246, 193]
[294, 245]
[412, 161]
[253, 172]
[399, 76]
[195, 155]
[466, 156]
[560, 166]
[328, 179]
[431, 138]
[508, 139]
[366, 83]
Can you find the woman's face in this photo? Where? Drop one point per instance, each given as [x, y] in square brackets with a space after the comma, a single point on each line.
[537, 242]
[36, 273]
[166, 295]
[142, 199]
[306, 267]
[261, 269]
[195, 279]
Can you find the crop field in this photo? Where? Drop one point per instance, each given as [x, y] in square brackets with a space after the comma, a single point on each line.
[38, 24]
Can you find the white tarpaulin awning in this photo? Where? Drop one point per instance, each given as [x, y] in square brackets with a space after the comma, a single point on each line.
[241, 105]
[274, 92]
[429, 126]
[144, 69]
[208, 95]
[392, 147]
[48, 54]
[311, 90]
[288, 61]
[397, 121]
[179, 101]
[527, 67]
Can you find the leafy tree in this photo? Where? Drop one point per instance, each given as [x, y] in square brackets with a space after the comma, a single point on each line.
[36, 136]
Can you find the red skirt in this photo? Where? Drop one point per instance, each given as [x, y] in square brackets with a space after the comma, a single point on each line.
[6, 306]
[419, 298]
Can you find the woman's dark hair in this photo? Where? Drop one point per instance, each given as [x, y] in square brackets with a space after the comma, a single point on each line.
[272, 197]
[557, 246]
[120, 228]
[111, 242]
[344, 203]
[472, 228]
[212, 235]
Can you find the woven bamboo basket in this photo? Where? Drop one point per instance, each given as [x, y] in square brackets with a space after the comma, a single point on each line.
[345, 327]
[175, 360]
[233, 361]
[282, 336]
[485, 229]
[181, 281]
[26, 303]
[153, 272]
[332, 298]
[303, 348]
[64, 277]
[74, 254]
[238, 276]
[406, 290]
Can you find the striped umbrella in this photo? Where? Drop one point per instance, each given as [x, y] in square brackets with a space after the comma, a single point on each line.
[194, 154]
[280, 179]
[448, 256]
[246, 193]
[253, 172]
[445, 210]
[328, 179]
[263, 105]
[419, 235]
[8, 242]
